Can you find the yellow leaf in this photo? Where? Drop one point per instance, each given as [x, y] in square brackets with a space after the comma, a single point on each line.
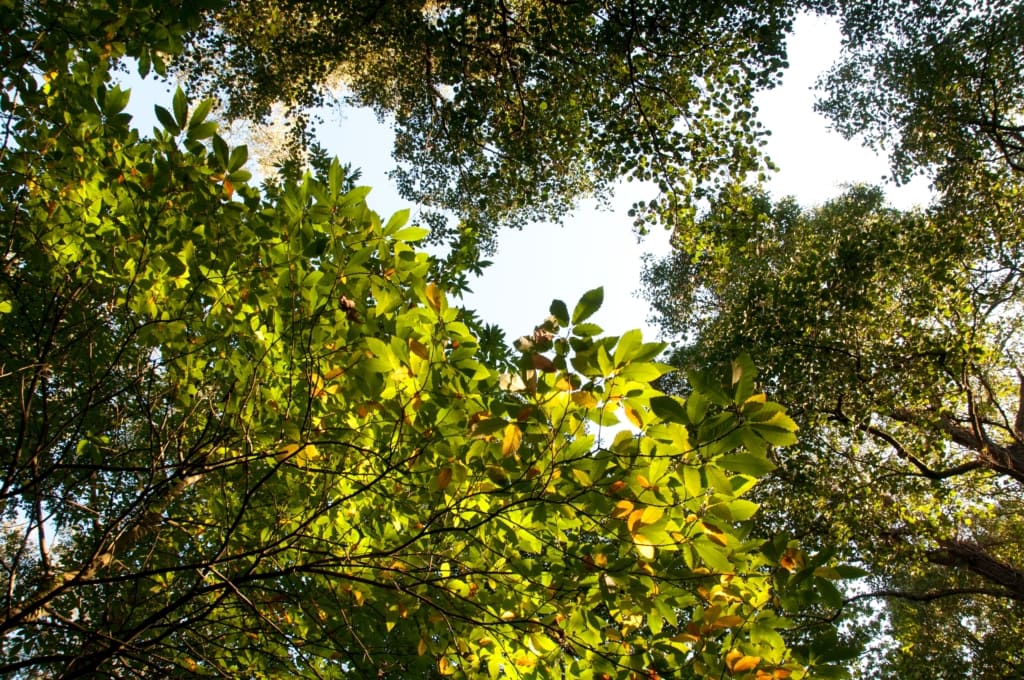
[301, 455]
[306, 455]
[622, 509]
[732, 657]
[792, 560]
[634, 520]
[512, 440]
[286, 452]
[730, 621]
[747, 663]
[419, 349]
[584, 399]
[563, 384]
[507, 615]
[644, 547]
[651, 515]
[643, 482]
[434, 296]
[444, 666]
[421, 648]
[634, 417]
[715, 534]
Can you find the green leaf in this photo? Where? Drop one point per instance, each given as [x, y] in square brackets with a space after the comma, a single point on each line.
[239, 155]
[180, 106]
[774, 435]
[410, 234]
[712, 555]
[586, 330]
[743, 375]
[115, 101]
[560, 312]
[202, 131]
[202, 110]
[645, 372]
[220, 150]
[167, 120]
[746, 463]
[627, 346]
[588, 304]
[669, 409]
[397, 221]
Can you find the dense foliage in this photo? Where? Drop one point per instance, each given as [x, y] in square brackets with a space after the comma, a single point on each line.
[893, 337]
[246, 435]
[245, 432]
[507, 112]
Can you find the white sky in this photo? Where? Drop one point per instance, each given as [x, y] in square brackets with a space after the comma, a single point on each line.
[599, 248]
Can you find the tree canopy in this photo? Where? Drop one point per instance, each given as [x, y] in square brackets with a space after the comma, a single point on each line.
[509, 112]
[893, 338]
[246, 434]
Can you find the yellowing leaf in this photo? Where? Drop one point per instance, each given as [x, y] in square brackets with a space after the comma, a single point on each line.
[746, 663]
[644, 547]
[301, 455]
[434, 296]
[622, 509]
[634, 417]
[582, 477]
[651, 515]
[421, 647]
[444, 666]
[584, 399]
[418, 348]
[715, 534]
[444, 478]
[730, 621]
[642, 481]
[792, 560]
[287, 451]
[634, 520]
[512, 440]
